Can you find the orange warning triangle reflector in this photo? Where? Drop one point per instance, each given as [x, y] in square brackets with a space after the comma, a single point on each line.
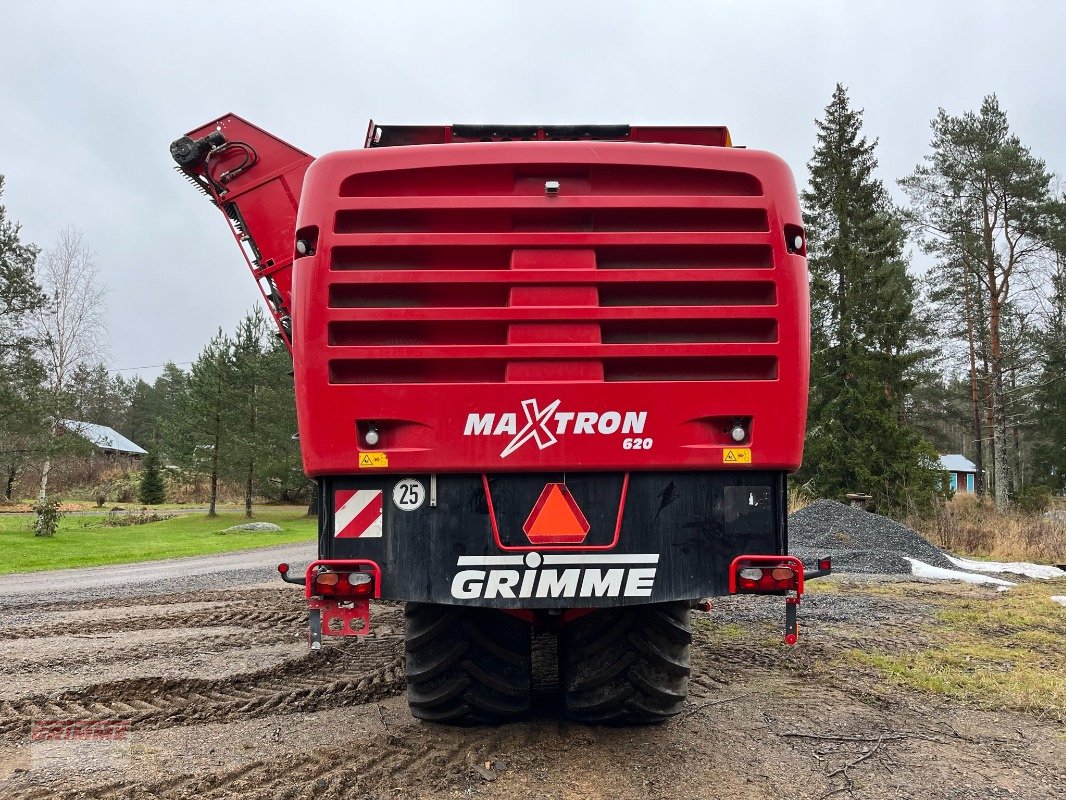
[556, 518]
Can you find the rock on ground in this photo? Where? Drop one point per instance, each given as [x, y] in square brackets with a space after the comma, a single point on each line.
[253, 526]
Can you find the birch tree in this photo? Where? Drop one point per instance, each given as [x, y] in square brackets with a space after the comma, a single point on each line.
[70, 330]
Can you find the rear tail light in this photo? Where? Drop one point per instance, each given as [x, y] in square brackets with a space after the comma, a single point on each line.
[765, 574]
[329, 583]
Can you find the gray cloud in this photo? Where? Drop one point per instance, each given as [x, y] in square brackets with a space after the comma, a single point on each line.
[91, 94]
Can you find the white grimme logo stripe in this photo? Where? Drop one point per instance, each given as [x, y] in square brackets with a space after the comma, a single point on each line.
[620, 558]
[544, 425]
[540, 579]
[488, 561]
[591, 558]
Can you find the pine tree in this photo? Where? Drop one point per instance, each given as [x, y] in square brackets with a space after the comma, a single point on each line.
[264, 457]
[205, 428]
[863, 326]
[982, 202]
[280, 469]
[152, 491]
[250, 415]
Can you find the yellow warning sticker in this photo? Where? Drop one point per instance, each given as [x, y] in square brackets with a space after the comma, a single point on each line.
[736, 455]
[373, 460]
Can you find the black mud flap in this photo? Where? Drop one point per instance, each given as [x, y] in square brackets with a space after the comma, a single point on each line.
[474, 540]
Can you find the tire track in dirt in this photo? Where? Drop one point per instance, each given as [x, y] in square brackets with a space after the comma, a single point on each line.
[427, 756]
[253, 597]
[197, 619]
[244, 613]
[351, 673]
[231, 639]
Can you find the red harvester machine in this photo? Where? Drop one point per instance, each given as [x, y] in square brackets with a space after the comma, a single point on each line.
[547, 378]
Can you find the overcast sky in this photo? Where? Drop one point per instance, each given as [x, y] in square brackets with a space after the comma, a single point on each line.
[92, 94]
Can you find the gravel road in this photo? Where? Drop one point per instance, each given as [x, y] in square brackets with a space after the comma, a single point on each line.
[153, 577]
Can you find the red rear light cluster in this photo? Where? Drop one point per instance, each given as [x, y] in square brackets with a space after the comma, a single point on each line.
[758, 579]
[764, 574]
[332, 583]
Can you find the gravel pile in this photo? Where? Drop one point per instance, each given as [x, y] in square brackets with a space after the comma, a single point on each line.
[858, 541]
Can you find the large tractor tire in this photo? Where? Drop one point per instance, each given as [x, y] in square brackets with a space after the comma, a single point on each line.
[467, 666]
[626, 666]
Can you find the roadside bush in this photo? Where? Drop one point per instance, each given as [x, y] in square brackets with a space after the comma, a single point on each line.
[117, 518]
[968, 525]
[48, 516]
[116, 486]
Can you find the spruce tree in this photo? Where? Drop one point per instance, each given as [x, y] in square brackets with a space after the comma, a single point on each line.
[863, 326]
[1050, 411]
[152, 490]
[23, 430]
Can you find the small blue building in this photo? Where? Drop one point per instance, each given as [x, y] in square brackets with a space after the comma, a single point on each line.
[962, 473]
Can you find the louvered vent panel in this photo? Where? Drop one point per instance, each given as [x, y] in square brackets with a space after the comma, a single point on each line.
[470, 274]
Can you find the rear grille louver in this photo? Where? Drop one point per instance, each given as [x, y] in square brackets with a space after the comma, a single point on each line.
[471, 275]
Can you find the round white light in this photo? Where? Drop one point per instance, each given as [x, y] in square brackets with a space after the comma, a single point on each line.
[797, 243]
[751, 573]
[738, 433]
[301, 247]
[372, 437]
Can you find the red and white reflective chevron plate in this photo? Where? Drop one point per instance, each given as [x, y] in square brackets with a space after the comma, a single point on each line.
[357, 513]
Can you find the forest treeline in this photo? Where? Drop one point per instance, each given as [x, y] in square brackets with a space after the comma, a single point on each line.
[966, 354]
[938, 325]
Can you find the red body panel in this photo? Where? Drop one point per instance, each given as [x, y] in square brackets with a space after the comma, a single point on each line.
[260, 201]
[626, 322]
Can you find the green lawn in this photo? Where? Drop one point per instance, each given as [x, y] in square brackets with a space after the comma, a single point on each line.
[85, 541]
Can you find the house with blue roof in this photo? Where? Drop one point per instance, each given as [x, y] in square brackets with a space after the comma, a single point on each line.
[961, 473]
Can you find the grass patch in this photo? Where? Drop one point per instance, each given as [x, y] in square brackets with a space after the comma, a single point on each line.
[1002, 652]
[86, 541]
[827, 585]
[720, 630]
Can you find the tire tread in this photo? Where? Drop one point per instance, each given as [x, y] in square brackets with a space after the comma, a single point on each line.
[467, 666]
[627, 666]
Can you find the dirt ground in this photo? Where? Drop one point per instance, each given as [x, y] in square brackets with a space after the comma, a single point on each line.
[223, 700]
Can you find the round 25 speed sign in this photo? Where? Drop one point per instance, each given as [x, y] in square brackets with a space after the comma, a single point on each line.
[408, 494]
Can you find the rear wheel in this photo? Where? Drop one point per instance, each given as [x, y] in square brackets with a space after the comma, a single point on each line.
[467, 665]
[626, 666]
